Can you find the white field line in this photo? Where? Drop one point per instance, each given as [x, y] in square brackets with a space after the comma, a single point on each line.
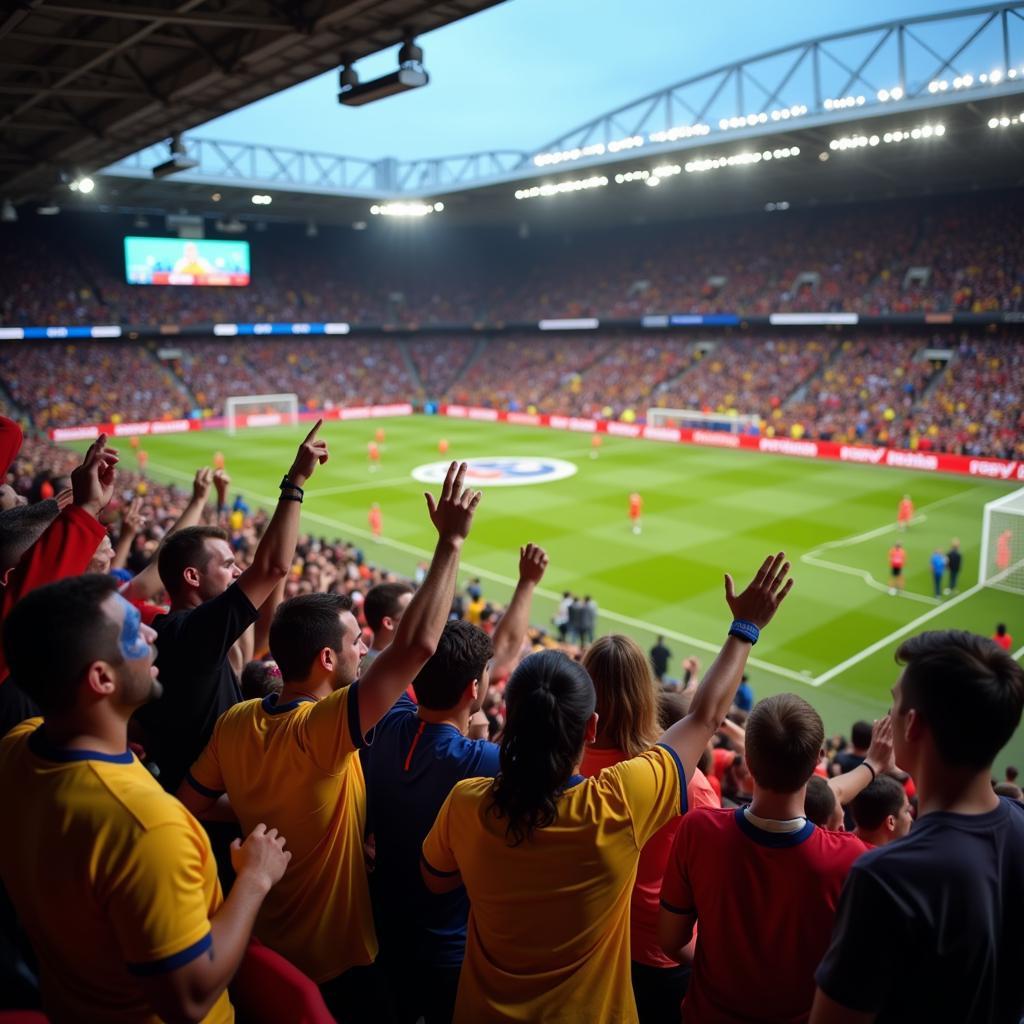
[1018, 653]
[811, 558]
[908, 628]
[423, 553]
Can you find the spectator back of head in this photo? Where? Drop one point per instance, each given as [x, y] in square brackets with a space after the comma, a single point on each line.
[384, 601]
[784, 737]
[627, 697]
[461, 656]
[966, 689]
[303, 626]
[819, 801]
[877, 801]
[860, 735]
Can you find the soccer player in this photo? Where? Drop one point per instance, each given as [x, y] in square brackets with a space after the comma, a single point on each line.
[636, 508]
[1003, 545]
[938, 566]
[882, 812]
[294, 758]
[442, 446]
[548, 858]
[764, 869]
[112, 878]
[212, 604]
[383, 608]
[1001, 637]
[218, 460]
[954, 560]
[418, 755]
[373, 454]
[905, 512]
[929, 927]
[143, 459]
[379, 436]
[595, 445]
[897, 560]
[376, 520]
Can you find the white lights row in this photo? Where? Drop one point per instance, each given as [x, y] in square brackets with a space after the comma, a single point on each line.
[564, 155]
[576, 185]
[413, 209]
[845, 102]
[1006, 122]
[84, 185]
[752, 120]
[885, 95]
[682, 131]
[926, 131]
[651, 178]
[740, 159]
[262, 200]
[993, 77]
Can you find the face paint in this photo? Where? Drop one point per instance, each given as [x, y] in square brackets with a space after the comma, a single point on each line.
[133, 646]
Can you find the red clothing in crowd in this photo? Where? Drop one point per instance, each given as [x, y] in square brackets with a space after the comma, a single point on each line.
[1005, 641]
[644, 905]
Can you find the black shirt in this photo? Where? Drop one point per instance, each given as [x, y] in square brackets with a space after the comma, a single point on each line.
[199, 684]
[953, 558]
[660, 655]
[930, 927]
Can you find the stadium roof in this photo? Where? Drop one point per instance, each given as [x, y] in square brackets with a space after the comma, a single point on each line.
[84, 83]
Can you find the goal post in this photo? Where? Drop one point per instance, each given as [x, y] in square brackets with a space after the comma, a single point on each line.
[1001, 564]
[733, 423]
[260, 411]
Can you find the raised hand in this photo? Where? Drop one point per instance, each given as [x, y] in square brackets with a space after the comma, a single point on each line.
[881, 755]
[134, 520]
[221, 481]
[201, 484]
[533, 560]
[261, 857]
[92, 483]
[312, 452]
[452, 512]
[768, 589]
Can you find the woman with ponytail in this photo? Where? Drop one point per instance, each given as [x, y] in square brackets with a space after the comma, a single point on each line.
[548, 858]
[627, 726]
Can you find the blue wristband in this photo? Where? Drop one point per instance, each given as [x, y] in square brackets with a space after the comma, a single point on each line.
[744, 631]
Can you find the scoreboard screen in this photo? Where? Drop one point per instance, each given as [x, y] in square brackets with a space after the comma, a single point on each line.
[186, 261]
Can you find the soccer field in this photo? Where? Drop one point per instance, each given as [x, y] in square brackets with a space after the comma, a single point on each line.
[705, 512]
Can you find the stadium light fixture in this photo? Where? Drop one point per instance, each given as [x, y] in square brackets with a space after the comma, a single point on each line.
[179, 161]
[261, 199]
[403, 209]
[562, 187]
[682, 131]
[410, 75]
[566, 155]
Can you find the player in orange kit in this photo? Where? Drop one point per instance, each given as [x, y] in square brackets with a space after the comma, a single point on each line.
[373, 452]
[595, 443]
[218, 460]
[897, 559]
[905, 512]
[380, 435]
[143, 456]
[1003, 550]
[376, 523]
[442, 446]
[636, 508]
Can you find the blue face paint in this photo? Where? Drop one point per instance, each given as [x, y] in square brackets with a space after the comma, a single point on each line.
[132, 644]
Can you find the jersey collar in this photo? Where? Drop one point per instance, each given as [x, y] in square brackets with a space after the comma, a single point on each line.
[42, 747]
[776, 840]
[271, 707]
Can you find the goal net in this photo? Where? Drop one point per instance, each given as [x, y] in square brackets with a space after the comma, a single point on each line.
[1002, 544]
[733, 423]
[260, 411]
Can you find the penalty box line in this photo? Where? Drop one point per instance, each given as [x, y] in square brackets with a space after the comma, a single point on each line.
[422, 553]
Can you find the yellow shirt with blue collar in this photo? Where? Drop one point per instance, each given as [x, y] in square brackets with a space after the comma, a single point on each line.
[111, 877]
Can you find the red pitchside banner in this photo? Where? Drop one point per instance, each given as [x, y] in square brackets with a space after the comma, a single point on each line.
[933, 462]
[270, 419]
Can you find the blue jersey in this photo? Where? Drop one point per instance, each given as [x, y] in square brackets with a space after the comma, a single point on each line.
[410, 769]
[938, 564]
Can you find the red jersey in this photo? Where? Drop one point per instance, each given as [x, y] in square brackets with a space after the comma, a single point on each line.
[375, 519]
[765, 904]
[643, 910]
[906, 510]
[636, 504]
[897, 557]
[373, 450]
[1005, 641]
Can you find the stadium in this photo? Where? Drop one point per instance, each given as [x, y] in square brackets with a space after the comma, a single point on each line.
[775, 305]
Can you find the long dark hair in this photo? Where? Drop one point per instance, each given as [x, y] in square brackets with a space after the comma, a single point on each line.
[549, 701]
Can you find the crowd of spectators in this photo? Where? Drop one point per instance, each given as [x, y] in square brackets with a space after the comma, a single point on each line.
[955, 253]
[538, 830]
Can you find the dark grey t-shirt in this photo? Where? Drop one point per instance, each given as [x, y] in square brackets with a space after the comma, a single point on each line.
[931, 927]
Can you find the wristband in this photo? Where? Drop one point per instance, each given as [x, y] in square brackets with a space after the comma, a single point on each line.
[285, 496]
[287, 485]
[874, 774]
[744, 630]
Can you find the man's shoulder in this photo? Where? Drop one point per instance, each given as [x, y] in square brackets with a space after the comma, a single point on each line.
[473, 756]
[840, 848]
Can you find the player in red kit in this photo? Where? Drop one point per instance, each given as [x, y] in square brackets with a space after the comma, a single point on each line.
[1003, 550]
[373, 452]
[442, 446]
[376, 523]
[380, 435]
[905, 512]
[897, 559]
[636, 508]
[595, 444]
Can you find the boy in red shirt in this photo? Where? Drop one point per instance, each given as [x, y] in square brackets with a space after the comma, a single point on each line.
[763, 881]
[897, 559]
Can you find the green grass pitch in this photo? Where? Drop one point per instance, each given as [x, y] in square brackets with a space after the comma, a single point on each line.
[705, 512]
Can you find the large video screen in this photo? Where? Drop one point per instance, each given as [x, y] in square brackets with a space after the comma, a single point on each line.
[185, 261]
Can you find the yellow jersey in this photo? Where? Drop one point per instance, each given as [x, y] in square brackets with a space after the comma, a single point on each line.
[548, 936]
[295, 767]
[111, 877]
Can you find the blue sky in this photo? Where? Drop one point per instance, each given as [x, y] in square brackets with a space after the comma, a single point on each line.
[527, 71]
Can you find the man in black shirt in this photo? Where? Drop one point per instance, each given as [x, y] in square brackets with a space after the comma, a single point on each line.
[930, 927]
[212, 604]
[660, 657]
[953, 563]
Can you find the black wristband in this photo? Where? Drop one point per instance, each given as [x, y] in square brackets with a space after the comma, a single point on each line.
[874, 774]
[287, 485]
[285, 496]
